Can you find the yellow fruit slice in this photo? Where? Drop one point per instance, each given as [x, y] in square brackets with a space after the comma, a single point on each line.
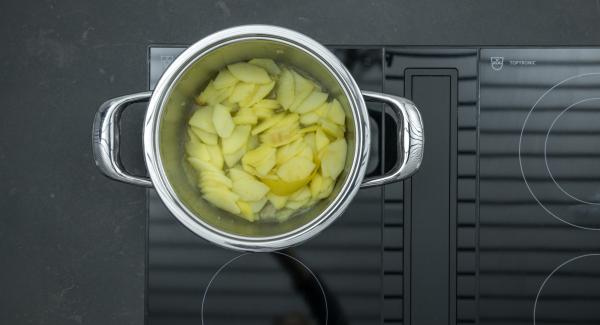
[250, 189]
[246, 211]
[321, 140]
[195, 148]
[326, 188]
[233, 158]
[250, 73]
[258, 205]
[212, 95]
[309, 139]
[202, 119]
[335, 113]
[261, 92]
[202, 165]
[266, 64]
[208, 95]
[303, 88]
[253, 142]
[236, 174]
[309, 118]
[289, 151]
[238, 138]
[216, 178]
[278, 201]
[241, 91]
[261, 160]
[267, 124]
[223, 199]
[267, 104]
[208, 138]
[331, 128]
[262, 113]
[284, 132]
[316, 185]
[333, 158]
[216, 157]
[224, 79]
[312, 102]
[283, 188]
[245, 116]
[296, 169]
[222, 121]
[284, 214]
[286, 89]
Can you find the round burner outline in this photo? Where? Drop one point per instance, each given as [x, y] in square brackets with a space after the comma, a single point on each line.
[546, 147]
[279, 253]
[521, 143]
[573, 259]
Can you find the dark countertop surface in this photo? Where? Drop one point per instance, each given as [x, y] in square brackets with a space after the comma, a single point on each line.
[72, 241]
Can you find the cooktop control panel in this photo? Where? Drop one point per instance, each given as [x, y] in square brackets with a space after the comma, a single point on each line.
[500, 225]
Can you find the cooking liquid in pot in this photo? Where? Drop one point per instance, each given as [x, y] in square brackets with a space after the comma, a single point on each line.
[266, 142]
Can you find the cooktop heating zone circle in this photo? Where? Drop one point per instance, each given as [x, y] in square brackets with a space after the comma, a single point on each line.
[559, 151]
[570, 293]
[264, 288]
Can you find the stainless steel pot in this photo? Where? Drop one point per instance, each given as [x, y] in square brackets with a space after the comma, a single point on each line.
[169, 107]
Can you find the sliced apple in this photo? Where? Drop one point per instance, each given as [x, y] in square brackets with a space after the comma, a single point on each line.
[250, 73]
[266, 124]
[233, 158]
[278, 201]
[296, 169]
[309, 139]
[303, 88]
[335, 113]
[250, 189]
[334, 158]
[245, 115]
[202, 165]
[203, 119]
[289, 151]
[236, 174]
[261, 92]
[267, 104]
[262, 113]
[266, 64]
[312, 102]
[246, 211]
[222, 121]
[195, 148]
[206, 137]
[241, 91]
[223, 199]
[321, 140]
[309, 118]
[331, 128]
[224, 79]
[238, 138]
[286, 89]
[216, 157]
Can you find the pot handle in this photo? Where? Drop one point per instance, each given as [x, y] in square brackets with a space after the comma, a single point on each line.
[410, 145]
[105, 138]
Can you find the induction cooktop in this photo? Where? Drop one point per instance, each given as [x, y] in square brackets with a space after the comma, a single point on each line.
[500, 225]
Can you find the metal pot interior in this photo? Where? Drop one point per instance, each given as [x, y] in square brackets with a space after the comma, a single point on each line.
[176, 109]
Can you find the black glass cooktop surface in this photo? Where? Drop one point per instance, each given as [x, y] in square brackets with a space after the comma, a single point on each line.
[500, 225]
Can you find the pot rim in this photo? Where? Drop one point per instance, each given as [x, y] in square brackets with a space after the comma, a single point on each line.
[163, 90]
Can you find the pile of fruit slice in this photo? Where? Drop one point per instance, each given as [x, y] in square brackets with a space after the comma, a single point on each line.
[265, 141]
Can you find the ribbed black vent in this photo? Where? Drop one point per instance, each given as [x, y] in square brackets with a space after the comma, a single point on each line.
[399, 62]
